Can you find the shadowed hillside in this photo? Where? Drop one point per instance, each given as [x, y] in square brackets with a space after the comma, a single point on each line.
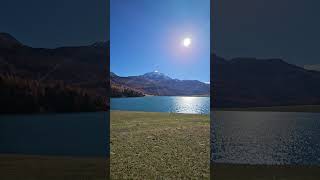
[79, 73]
[250, 82]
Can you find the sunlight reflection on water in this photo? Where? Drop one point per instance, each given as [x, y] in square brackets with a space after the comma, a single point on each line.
[175, 104]
[265, 137]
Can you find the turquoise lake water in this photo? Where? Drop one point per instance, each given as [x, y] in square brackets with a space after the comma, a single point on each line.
[174, 104]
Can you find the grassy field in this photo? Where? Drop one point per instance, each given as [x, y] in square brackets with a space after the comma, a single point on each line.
[32, 167]
[159, 146]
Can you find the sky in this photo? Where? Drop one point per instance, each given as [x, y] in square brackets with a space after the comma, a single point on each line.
[287, 29]
[55, 23]
[147, 35]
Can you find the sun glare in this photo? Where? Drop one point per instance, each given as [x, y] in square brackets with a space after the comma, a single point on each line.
[186, 42]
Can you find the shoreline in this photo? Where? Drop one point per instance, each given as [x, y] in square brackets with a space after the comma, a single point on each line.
[295, 108]
[170, 113]
[148, 95]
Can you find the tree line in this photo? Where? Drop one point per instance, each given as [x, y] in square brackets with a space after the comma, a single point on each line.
[120, 91]
[19, 95]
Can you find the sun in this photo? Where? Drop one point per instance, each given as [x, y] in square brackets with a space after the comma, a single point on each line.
[186, 42]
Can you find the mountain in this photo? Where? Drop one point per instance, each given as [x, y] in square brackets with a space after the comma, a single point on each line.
[44, 79]
[83, 66]
[83, 69]
[251, 82]
[8, 41]
[156, 76]
[315, 67]
[156, 83]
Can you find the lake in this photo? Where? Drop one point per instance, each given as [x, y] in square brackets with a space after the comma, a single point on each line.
[71, 134]
[280, 138]
[173, 104]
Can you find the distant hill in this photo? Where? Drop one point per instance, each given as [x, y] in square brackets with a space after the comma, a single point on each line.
[156, 83]
[8, 41]
[315, 67]
[84, 68]
[250, 82]
[121, 90]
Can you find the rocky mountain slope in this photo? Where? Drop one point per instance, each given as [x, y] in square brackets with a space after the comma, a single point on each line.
[156, 83]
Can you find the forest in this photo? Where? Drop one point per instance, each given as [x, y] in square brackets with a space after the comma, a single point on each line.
[31, 96]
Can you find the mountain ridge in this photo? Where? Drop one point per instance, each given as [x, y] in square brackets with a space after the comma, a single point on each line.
[238, 82]
[159, 84]
[252, 82]
[8, 41]
[80, 74]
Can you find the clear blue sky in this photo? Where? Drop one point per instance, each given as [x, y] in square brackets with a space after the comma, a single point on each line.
[147, 35]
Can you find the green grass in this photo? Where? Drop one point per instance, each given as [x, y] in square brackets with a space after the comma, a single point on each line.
[159, 146]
